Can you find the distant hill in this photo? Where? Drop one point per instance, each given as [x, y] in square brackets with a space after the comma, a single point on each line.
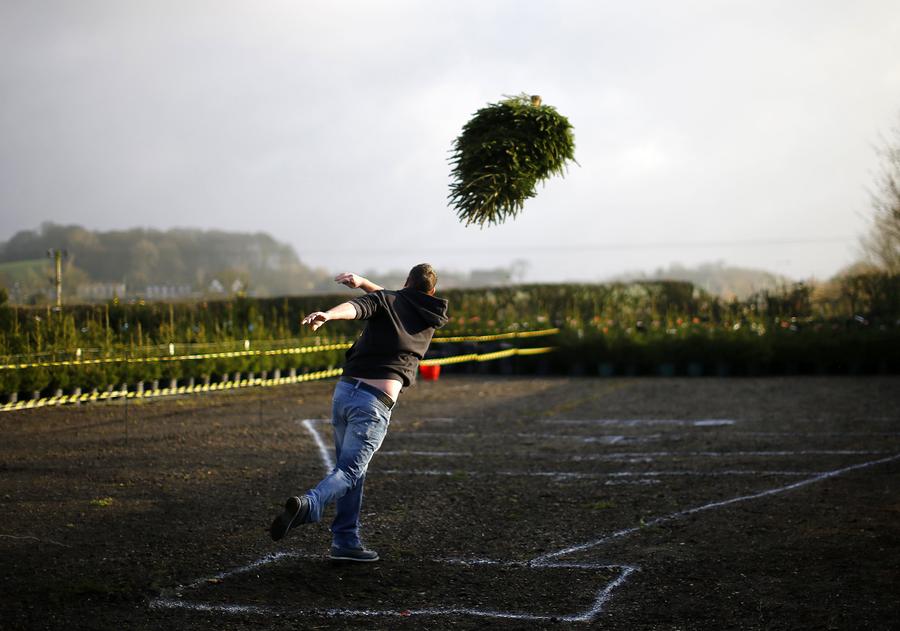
[156, 263]
[190, 263]
[715, 278]
[22, 271]
[24, 278]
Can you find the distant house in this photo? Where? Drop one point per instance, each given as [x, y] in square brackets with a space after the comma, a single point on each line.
[216, 287]
[167, 292]
[95, 292]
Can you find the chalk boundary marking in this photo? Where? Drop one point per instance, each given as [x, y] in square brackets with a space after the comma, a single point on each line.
[711, 506]
[547, 560]
[600, 597]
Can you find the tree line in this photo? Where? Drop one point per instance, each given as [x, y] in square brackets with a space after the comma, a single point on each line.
[206, 261]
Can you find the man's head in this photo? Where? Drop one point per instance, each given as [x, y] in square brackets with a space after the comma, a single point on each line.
[422, 278]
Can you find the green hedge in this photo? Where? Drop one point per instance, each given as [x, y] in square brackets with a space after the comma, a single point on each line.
[780, 351]
[634, 327]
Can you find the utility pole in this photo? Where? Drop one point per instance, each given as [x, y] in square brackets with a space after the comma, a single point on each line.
[58, 256]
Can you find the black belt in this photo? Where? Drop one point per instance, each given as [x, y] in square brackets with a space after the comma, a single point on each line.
[378, 394]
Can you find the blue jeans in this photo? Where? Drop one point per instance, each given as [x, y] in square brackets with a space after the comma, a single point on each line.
[360, 422]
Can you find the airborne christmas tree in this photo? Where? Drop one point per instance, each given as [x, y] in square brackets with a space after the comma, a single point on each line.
[502, 154]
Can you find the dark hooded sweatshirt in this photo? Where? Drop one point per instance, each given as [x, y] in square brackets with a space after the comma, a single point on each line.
[401, 324]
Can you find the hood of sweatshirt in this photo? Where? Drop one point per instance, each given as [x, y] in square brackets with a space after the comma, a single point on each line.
[433, 310]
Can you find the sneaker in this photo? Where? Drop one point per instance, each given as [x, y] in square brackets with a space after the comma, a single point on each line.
[353, 554]
[295, 512]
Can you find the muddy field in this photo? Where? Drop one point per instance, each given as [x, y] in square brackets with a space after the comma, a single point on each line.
[495, 502]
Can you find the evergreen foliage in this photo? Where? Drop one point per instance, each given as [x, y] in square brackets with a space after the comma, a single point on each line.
[635, 327]
[503, 152]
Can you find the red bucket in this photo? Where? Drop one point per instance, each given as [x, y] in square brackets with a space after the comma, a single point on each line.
[430, 373]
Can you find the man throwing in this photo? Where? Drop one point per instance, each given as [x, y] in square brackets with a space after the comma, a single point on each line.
[382, 361]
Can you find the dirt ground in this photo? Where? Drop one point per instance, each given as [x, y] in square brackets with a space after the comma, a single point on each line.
[500, 502]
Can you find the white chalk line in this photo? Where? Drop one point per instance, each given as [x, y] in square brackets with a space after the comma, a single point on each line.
[646, 456]
[424, 419]
[678, 436]
[621, 439]
[609, 439]
[641, 422]
[429, 454]
[328, 464]
[611, 478]
[712, 505]
[565, 565]
[817, 434]
[578, 475]
[265, 560]
[32, 538]
[626, 423]
[603, 439]
[461, 435]
[327, 460]
[602, 596]
[649, 455]
[434, 419]
[170, 603]
[725, 472]
[642, 456]
[395, 421]
[166, 602]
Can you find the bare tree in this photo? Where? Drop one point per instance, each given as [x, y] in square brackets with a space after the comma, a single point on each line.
[882, 244]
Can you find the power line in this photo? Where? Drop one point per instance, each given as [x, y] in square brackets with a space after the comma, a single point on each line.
[528, 248]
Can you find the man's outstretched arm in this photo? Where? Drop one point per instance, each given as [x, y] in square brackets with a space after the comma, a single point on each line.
[344, 311]
[357, 282]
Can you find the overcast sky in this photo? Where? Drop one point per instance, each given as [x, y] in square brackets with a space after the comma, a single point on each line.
[705, 130]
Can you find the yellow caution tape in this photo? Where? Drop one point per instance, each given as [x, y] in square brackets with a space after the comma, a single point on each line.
[174, 358]
[297, 350]
[485, 357]
[164, 392]
[245, 383]
[496, 336]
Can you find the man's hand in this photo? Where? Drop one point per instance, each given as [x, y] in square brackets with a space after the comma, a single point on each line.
[357, 282]
[350, 280]
[315, 319]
